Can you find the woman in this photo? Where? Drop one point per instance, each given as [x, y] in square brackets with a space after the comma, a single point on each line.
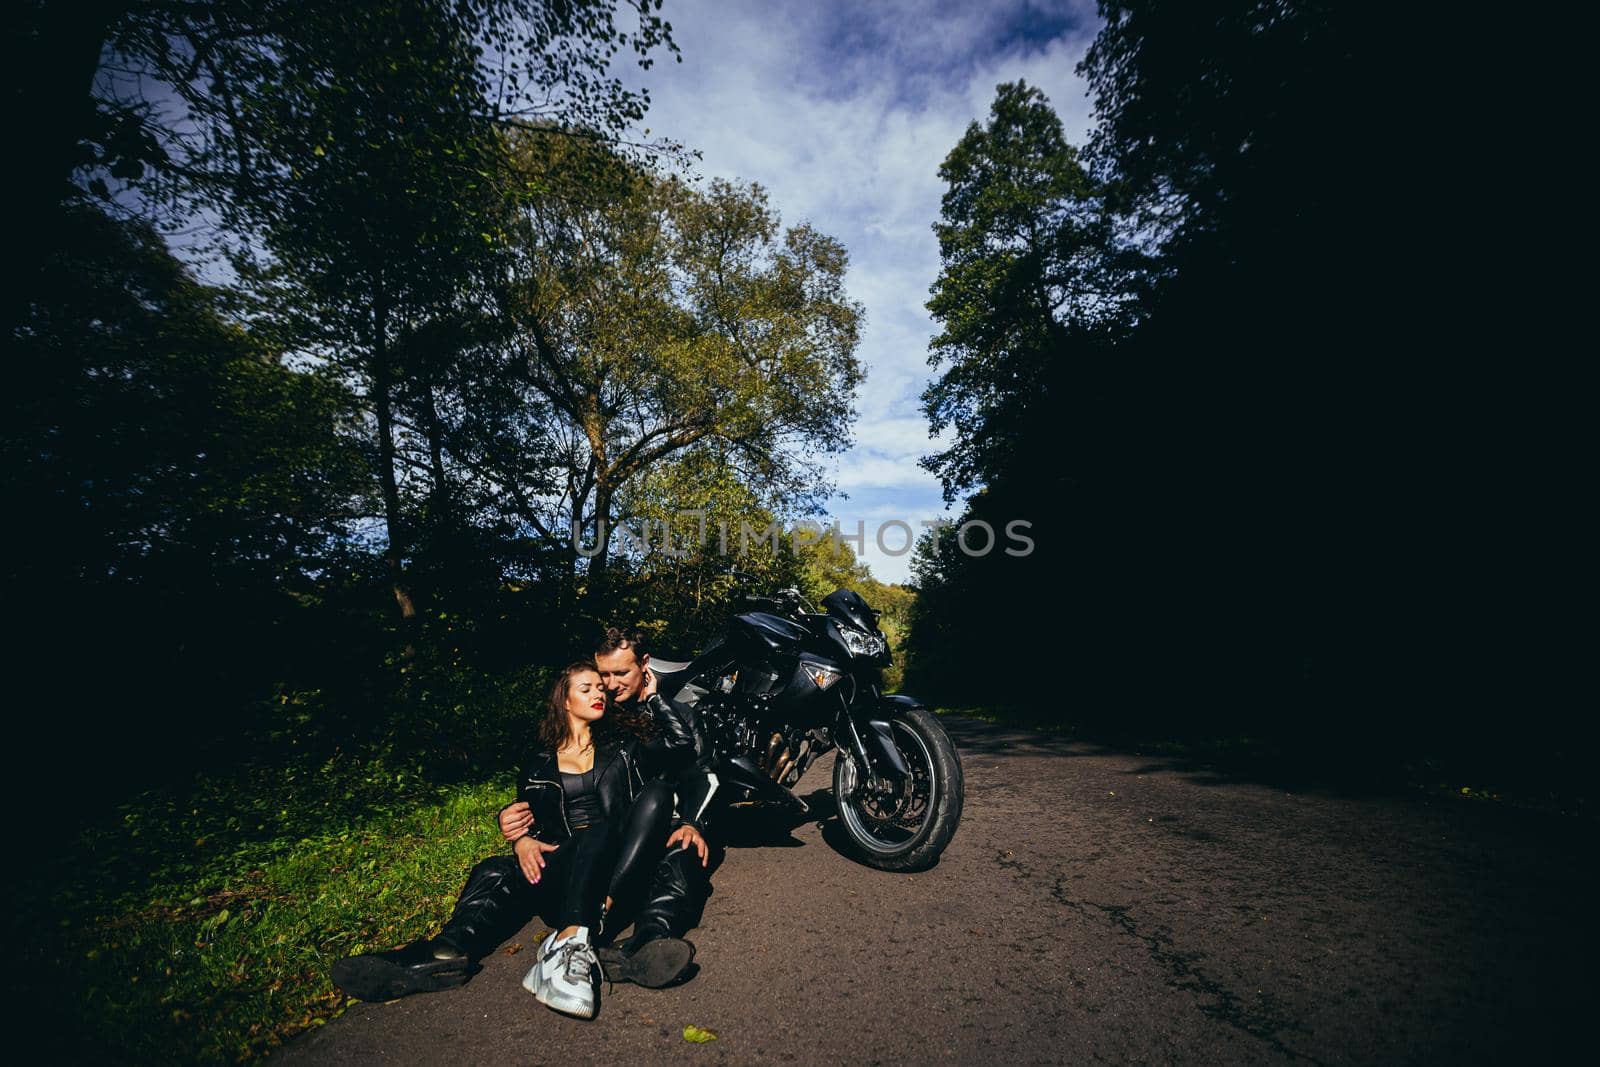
[595, 823]
[594, 819]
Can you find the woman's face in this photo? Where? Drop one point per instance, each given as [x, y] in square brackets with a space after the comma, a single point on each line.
[586, 697]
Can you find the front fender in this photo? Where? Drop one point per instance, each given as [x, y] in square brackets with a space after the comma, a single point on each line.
[900, 700]
[878, 735]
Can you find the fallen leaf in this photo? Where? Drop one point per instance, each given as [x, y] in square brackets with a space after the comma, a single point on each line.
[698, 1035]
[513, 948]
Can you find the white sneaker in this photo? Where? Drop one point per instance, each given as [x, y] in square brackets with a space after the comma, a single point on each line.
[564, 976]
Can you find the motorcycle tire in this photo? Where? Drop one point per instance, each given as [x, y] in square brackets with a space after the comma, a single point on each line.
[936, 769]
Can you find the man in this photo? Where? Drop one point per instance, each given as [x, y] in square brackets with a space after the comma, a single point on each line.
[677, 890]
[496, 903]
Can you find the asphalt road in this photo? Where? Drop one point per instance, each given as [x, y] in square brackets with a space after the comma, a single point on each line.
[1094, 905]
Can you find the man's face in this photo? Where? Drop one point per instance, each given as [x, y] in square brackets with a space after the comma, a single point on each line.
[623, 673]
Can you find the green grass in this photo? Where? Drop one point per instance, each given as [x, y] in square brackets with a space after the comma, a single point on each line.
[199, 927]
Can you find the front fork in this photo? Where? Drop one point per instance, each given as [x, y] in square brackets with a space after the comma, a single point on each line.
[876, 739]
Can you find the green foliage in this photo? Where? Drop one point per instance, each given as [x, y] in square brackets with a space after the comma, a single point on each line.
[663, 319]
[151, 433]
[698, 518]
[186, 493]
[199, 924]
[513, 62]
[1034, 272]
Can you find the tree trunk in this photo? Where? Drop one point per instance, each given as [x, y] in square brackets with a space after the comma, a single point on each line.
[51, 93]
[600, 562]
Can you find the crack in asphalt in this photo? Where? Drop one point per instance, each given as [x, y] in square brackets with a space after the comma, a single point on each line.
[1262, 1022]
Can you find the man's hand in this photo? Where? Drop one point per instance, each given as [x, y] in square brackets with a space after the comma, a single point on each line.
[649, 689]
[690, 838]
[530, 856]
[516, 820]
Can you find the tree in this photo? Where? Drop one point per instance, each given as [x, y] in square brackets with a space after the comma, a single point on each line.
[1040, 285]
[672, 569]
[154, 94]
[157, 428]
[661, 318]
[349, 161]
[1035, 271]
[185, 492]
[382, 209]
[1242, 136]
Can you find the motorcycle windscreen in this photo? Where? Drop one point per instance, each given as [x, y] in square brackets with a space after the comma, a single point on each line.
[846, 604]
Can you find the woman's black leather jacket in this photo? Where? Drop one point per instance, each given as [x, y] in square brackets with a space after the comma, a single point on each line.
[624, 764]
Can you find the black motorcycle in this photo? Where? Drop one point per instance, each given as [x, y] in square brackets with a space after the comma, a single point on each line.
[785, 683]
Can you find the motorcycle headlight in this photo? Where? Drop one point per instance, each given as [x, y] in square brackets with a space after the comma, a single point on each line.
[861, 644]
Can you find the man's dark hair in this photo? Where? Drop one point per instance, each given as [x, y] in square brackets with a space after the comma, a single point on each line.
[617, 638]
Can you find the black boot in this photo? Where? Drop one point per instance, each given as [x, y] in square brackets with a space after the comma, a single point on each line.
[652, 962]
[420, 967]
[655, 956]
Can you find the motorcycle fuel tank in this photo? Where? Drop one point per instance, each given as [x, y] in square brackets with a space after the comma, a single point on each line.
[767, 633]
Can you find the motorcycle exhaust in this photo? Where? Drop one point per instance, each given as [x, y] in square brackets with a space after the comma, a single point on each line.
[775, 753]
[792, 768]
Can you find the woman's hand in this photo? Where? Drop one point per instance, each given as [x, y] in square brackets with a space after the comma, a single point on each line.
[690, 838]
[530, 856]
[516, 820]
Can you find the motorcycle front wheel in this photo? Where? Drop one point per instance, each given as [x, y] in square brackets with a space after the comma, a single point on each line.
[904, 828]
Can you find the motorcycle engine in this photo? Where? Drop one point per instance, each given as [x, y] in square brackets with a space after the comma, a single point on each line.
[785, 753]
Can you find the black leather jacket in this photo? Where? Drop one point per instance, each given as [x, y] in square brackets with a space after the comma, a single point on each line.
[624, 764]
[696, 784]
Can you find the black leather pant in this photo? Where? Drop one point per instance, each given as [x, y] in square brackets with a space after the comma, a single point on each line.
[673, 901]
[498, 900]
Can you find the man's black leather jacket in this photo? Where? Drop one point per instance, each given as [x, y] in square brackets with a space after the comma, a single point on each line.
[696, 784]
[624, 764]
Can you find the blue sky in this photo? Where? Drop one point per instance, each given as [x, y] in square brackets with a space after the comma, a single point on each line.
[843, 111]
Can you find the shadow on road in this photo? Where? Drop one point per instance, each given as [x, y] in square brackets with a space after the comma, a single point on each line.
[757, 825]
[1204, 765]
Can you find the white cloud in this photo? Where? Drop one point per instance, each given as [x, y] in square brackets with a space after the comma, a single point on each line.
[844, 112]
[876, 472]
